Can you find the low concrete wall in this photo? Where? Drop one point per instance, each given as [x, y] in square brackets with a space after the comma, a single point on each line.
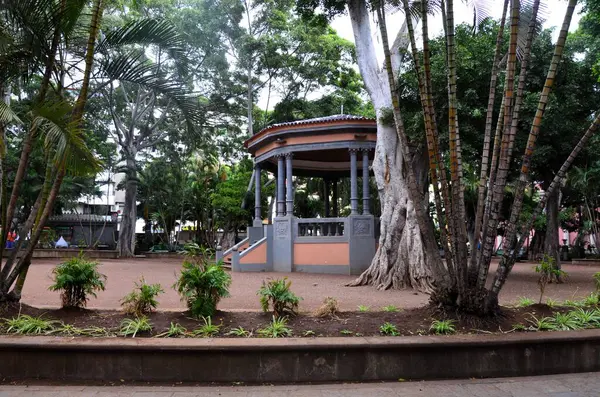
[586, 262]
[298, 360]
[41, 253]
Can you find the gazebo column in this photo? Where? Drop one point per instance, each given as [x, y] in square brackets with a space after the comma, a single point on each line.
[289, 202]
[280, 186]
[257, 206]
[353, 182]
[327, 184]
[336, 212]
[365, 181]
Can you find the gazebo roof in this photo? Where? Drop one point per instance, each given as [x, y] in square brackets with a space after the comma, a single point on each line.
[319, 145]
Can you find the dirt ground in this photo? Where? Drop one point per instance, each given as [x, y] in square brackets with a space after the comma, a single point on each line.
[313, 288]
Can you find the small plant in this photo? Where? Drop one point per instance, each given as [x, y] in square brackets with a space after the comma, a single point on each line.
[547, 271]
[175, 331]
[442, 327]
[77, 278]
[573, 303]
[388, 329]
[202, 284]
[329, 308]
[276, 329]
[208, 329]
[132, 327]
[346, 332]
[519, 327]
[541, 324]
[71, 330]
[24, 324]
[586, 318]
[592, 300]
[363, 308]
[308, 333]
[524, 302]
[551, 302]
[239, 331]
[390, 309]
[566, 321]
[276, 293]
[142, 300]
[597, 282]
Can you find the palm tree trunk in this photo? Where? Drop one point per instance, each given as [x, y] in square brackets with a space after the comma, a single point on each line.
[508, 260]
[487, 142]
[537, 121]
[431, 138]
[490, 229]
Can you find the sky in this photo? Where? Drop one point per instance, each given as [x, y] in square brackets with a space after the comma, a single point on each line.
[553, 14]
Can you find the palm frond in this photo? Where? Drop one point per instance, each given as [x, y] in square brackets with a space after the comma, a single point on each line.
[7, 115]
[525, 20]
[135, 68]
[158, 32]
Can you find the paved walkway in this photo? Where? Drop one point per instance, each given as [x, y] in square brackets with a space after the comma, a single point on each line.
[313, 288]
[572, 385]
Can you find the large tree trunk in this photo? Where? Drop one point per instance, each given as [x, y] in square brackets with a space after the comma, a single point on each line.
[126, 244]
[401, 260]
[551, 242]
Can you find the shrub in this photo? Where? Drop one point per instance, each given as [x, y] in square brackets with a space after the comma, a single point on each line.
[276, 329]
[276, 293]
[142, 300]
[202, 285]
[77, 278]
[329, 308]
[547, 271]
[442, 327]
[134, 326]
[388, 329]
[24, 324]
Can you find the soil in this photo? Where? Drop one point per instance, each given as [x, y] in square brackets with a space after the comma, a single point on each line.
[408, 322]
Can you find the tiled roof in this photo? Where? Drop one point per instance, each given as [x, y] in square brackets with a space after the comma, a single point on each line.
[337, 117]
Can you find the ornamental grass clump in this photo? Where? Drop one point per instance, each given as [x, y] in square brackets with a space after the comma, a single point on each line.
[142, 300]
[77, 278]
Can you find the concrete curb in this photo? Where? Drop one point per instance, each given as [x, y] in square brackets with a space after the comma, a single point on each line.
[298, 359]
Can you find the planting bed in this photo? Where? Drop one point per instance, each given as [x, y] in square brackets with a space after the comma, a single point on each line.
[345, 324]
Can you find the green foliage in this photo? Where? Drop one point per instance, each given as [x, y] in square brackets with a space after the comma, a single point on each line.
[308, 333]
[208, 329]
[547, 270]
[363, 308]
[71, 330]
[566, 321]
[597, 282]
[586, 318]
[24, 324]
[132, 327]
[519, 327]
[202, 285]
[277, 294]
[591, 300]
[276, 329]
[388, 329]
[541, 324]
[524, 301]
[346, 332]
[390, 309]
[175, 331]
[239, 331]
[551, 302]
[76, 279]
[442, 327]
[142, 300]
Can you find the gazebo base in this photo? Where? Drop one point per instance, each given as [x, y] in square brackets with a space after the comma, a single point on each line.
[317, 245]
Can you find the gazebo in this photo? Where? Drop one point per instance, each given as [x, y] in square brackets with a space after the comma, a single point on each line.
[331, 147]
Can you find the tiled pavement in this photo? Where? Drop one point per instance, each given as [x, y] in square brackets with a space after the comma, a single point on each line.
[572, 385]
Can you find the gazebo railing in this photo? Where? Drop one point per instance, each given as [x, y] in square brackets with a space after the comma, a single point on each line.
[320, 228]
